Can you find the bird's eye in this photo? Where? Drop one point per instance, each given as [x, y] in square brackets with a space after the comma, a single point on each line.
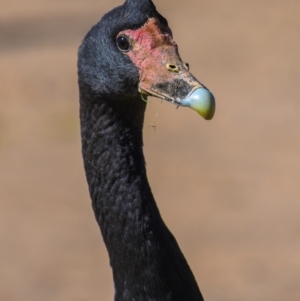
[123, 43]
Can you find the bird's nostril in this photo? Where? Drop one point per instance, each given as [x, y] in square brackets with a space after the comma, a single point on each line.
[172, 68]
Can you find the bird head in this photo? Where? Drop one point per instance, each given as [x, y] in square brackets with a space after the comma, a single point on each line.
[131, 52]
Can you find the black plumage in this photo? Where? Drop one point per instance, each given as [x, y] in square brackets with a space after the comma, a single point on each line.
[146, 260]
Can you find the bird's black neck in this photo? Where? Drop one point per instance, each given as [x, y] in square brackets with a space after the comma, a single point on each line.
[146, 260]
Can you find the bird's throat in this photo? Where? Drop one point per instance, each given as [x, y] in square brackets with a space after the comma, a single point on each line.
[115, 168]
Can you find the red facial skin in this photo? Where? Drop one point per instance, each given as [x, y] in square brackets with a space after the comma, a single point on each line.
[152, 50]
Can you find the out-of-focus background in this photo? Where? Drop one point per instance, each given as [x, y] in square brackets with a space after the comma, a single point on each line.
[229, 189]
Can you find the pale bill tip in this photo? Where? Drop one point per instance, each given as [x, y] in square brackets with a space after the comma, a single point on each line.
[202, 101]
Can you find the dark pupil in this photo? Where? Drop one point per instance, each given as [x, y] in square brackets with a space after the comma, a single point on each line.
[123, 43]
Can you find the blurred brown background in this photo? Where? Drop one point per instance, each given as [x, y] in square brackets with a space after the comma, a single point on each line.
[229, 189]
